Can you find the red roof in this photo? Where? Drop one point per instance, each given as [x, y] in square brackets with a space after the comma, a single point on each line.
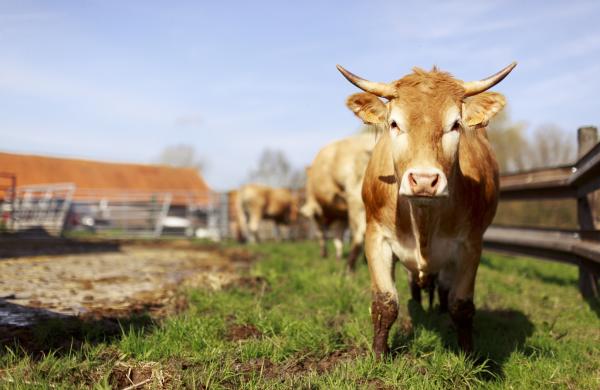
[98, 175]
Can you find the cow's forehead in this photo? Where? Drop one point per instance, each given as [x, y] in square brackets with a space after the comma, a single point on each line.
[427, 94]
[418, 107]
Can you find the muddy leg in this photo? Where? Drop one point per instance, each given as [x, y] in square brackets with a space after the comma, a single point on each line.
[384, 311]
[460, 298]
[384, 306]
[462, 312]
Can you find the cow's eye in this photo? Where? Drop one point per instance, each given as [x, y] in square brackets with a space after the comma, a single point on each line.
[455, 126]
[393, 125]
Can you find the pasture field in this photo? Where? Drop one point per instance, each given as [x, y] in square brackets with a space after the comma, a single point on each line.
[297, 321]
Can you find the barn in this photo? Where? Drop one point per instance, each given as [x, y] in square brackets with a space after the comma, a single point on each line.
[122, 198]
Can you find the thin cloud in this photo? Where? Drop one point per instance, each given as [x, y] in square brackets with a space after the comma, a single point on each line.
[101, 99]
[193, 120]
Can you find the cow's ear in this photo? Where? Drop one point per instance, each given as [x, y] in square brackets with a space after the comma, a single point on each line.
[367, 107]
[479, 109]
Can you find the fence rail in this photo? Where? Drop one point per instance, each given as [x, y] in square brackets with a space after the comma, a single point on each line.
[578, 181]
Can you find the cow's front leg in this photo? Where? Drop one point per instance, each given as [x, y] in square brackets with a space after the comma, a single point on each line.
[384, 306]
[460, 299]
[320, 233]
[253, 227]
[277, 232]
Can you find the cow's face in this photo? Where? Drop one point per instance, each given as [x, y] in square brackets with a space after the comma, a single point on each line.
[426, 116]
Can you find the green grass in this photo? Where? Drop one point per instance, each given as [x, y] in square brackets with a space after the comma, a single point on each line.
[532, 331]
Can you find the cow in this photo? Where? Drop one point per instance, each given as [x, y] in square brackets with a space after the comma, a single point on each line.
[333, 193]
[256, 202]
[430, 190]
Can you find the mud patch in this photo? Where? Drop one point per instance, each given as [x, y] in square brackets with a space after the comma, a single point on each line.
[297, 367]
[237, 332]
[141, 277]
[255, 284]
[144, 375]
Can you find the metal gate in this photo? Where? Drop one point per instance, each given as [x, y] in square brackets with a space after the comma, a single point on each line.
[39, 206]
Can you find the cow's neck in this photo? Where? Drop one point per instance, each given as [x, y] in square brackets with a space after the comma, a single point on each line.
[424, 220]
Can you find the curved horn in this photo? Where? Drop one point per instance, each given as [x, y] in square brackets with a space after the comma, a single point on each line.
[380, 89]
[475, 87]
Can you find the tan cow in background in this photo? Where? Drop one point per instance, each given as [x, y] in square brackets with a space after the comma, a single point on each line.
[256, 202]
[430, 190]
[333, 192]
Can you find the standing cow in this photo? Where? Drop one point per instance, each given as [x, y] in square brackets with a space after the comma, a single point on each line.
[333, 192]
[256, 202]
[430, 189]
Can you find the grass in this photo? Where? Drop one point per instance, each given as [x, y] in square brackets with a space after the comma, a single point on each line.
[308, 326]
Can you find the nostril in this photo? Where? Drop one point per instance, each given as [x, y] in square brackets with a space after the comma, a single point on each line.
[412, 179]
[435, 181]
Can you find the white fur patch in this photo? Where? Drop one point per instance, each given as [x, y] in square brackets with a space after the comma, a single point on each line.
[450, 137]
[450, 143]
[400, 144]
[451, 115]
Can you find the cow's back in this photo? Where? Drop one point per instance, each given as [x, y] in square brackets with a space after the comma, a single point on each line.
[337, 168]
[279, 202]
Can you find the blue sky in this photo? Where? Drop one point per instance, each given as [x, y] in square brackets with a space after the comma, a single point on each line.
[120, 80]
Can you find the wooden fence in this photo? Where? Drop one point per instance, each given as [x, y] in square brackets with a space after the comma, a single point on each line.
[580, 247]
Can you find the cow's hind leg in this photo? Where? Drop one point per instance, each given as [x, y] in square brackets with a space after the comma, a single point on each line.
[415, 289]
[338, 228]
[320, 233]
[358, 226]
[416, 286]
[384, 306]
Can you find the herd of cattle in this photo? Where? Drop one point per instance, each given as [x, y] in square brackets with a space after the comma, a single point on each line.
[422, 191]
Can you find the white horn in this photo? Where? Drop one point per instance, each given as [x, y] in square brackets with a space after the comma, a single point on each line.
[475, 87]
[380, 89]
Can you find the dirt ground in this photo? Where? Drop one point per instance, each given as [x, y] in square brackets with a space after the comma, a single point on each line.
[107, 283]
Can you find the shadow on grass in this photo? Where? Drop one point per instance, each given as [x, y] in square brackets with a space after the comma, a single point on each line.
[41, 331]
[594, 304]
[497, 334]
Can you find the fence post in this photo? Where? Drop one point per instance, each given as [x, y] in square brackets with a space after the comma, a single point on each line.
[588, 210]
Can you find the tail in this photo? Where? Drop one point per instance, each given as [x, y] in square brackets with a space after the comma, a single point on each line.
[241, 217]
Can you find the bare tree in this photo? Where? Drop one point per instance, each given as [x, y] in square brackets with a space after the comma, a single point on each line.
[274, 169]
[509, 142]
[551, 146]
[182, 155]
[548, 146]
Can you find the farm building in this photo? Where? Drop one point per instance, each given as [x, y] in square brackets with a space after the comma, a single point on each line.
[64, 193]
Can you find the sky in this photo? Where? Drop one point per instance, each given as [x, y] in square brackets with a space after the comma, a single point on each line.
[121, 80]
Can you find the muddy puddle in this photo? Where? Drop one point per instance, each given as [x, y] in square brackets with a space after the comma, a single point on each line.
[134, 277]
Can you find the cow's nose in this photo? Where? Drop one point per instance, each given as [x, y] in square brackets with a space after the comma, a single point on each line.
[423, 184]
[429, 182]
